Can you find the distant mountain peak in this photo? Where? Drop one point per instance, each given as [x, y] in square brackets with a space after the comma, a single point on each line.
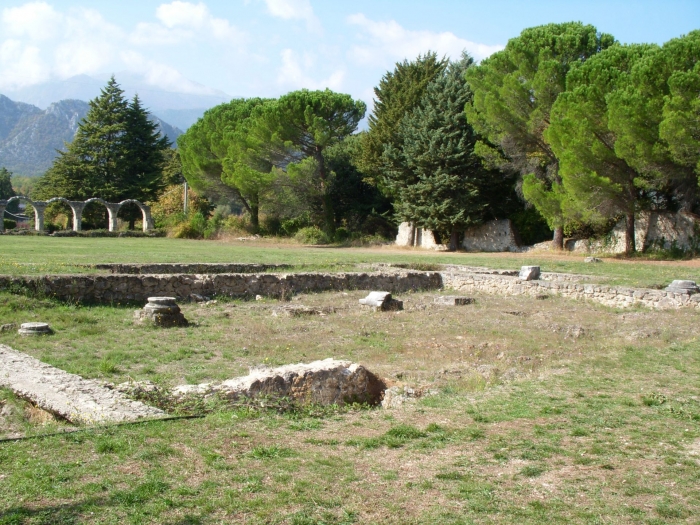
[30, 137]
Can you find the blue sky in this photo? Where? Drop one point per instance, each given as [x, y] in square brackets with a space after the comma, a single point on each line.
[269, 47]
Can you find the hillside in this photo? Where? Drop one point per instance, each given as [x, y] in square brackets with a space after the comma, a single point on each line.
[29, 136]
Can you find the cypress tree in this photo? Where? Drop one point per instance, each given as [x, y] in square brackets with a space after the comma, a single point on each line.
[437, 178]
[117, 154]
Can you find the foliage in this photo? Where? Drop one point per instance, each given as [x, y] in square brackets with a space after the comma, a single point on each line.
[600, 185]
[294, 131]
[655, 117]
[432, 171]
[218, 161]
[169, 208]
[6, 189]
[311, 235]
[514, 91]
[117, 154]
[398, 93]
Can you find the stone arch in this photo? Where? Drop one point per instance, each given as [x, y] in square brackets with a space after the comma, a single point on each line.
[76, 207]
[145, 211]
[112, 210]
[39, 207]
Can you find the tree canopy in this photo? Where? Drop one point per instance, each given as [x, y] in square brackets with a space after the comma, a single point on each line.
[298, 127]
[514, 91]
[398, 92]
[218, 158]
[435, 176]
[599, 183]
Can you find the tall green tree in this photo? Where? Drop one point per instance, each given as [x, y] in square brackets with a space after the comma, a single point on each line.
[117, 154]
[398, 93]
[600, 183]
[514, 91]
[655, 117]
[298, 128]
[6, 189]
[218, 158]
[434, 174]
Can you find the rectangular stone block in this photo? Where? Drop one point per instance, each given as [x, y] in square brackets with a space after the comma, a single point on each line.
[453, 300]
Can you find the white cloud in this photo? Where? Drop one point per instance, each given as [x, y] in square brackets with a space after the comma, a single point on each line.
[21, 65]
[39, 43]
[35, 20]
[181, 21]
[294, 10]
[390, 41]
[163, 76]
[292, 74]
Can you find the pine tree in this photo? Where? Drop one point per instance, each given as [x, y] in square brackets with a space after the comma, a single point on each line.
[437, 178]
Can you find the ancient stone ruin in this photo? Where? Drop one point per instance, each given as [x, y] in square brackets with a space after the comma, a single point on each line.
[161, 311]
[77, 207]
[34, 329]
[529, 273]
[381, 302]
[324, 382]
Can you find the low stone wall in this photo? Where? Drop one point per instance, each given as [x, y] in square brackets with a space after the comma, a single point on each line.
[618, 297]
[137, 288]
[189, 268]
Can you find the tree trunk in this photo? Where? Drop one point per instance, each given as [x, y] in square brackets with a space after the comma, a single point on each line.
[328, 215]
[254, 217]
[132, 223]
[558, 239]
[630, 242]
[453, 239]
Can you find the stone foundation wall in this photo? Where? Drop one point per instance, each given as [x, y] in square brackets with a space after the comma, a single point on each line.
[189, 268]
[137, 288]
[617, 297]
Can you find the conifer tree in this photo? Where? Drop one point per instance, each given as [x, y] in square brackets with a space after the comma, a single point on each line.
[117, 154]
[398, 93]
[434, 173]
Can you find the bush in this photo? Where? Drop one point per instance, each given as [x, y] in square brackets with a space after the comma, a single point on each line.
[341, 234]
[292, 226]
[311, 235]
[9, 224]
[237, 224]
[193, 228]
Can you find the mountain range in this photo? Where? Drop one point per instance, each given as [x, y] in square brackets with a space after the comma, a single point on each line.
[30, 136]
[181, 105]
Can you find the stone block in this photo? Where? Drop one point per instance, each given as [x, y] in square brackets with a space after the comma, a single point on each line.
[161, 311]
[381, 302]
[324, 382]
[34, 329]
[683, 287]
[592, 260]
[453, 300]
[529, 273]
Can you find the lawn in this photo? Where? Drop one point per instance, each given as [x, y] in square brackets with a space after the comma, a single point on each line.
[27, 255]
[549, 410]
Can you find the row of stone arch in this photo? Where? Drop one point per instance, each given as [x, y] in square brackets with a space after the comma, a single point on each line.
[77, 207]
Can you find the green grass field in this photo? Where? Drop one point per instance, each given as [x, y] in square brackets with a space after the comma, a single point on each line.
[547, 411]
[41, 255]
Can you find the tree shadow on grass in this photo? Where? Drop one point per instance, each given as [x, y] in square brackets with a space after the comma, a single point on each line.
[65, 514]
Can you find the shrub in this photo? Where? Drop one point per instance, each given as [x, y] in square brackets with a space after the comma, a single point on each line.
[292, 226]
[341, 234]
[9, 224]
[311, 235]
[193, 228]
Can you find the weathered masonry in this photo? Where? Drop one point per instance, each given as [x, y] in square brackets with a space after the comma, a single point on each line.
[77, 208]
[120, 288]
